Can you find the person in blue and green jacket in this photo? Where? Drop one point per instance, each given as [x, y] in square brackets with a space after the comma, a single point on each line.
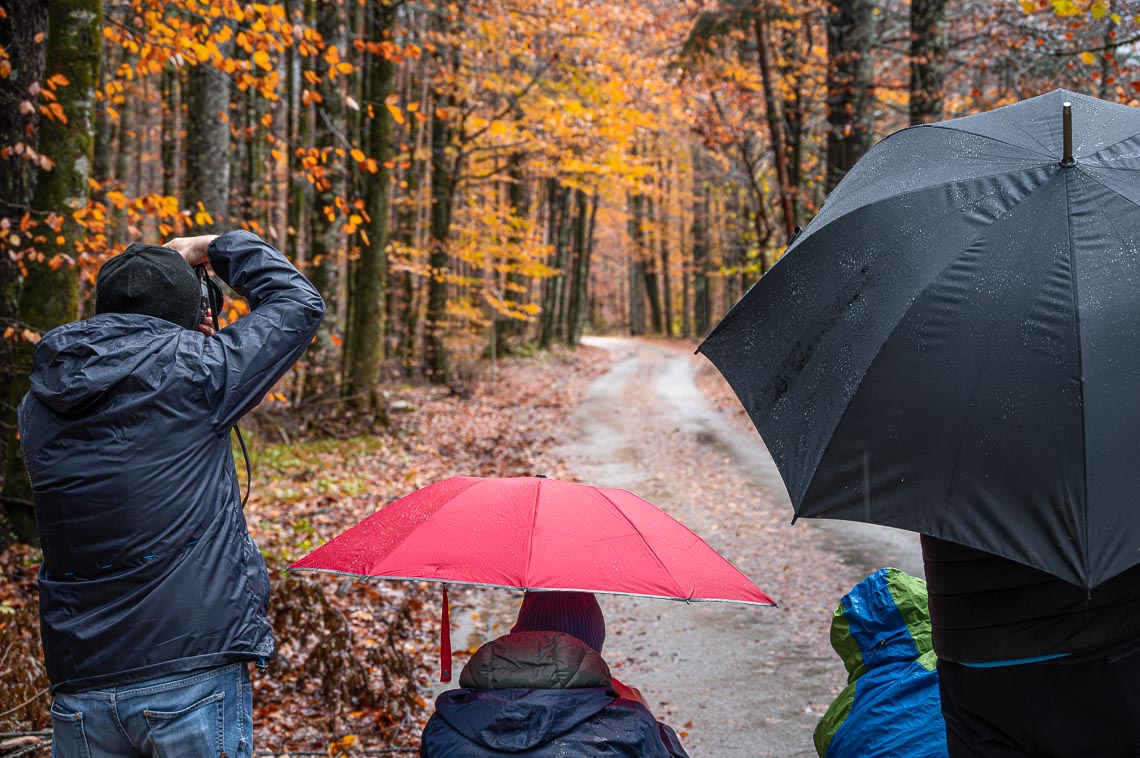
[890, 707]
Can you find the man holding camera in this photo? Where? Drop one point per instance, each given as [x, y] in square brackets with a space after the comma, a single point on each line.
[153, 596]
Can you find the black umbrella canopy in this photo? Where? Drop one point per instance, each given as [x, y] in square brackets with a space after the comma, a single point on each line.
[952, 345]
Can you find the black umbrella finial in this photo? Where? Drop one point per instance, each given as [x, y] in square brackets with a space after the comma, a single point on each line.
[1067, 158]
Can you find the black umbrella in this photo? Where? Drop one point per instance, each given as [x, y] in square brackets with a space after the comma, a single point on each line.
[952, 345]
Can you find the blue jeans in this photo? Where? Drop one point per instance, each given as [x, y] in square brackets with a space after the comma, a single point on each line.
[203, 714]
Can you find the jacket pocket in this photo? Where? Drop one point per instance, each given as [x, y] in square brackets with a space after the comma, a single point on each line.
[68, 735]
[197, 730]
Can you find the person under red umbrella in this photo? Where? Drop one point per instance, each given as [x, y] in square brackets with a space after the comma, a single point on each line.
[544, 690]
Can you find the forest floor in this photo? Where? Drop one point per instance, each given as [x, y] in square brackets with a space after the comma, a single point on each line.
[357, 658]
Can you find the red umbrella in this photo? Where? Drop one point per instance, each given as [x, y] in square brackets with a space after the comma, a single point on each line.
[534, 533]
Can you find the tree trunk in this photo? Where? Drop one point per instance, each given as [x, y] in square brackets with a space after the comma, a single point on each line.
[662, 228]
[208, 145]
[406, 234]
[436, 360]
[325, 241]
[927, 60]
[51, 297]
[559, 202]
[649, 268]
[576, 312]
[702, 297]
[517, 202]
[171, 126]
[775, 127]
[561, 280]
[123, 154]
[636, 267]
[849, 75]
[370, 278]
[795, 117]
[18, 30]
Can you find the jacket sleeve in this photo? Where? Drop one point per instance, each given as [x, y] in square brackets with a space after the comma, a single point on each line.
[244, 360]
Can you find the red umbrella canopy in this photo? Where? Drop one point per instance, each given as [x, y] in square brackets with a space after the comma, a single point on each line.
[535, 533]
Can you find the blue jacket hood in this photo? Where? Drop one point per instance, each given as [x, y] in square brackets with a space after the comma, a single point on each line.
[514, 720]
[79, 363]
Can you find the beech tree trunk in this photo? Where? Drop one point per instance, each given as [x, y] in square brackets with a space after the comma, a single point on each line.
[208, 146]
[775, 127]
[927, 60]
[326, 243]
[50, 297]
[436, 361]
[171, 126]
[18, 30]
[849, 75]
[370, 278]
[586, 207]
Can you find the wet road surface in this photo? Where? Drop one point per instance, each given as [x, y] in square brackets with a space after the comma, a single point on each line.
[734, 680]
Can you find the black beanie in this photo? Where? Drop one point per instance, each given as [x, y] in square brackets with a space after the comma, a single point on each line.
[152, 281]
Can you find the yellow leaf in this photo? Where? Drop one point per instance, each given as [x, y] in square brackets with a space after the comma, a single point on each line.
[1099, 9]
[1088, 57]
[261, 58]
[397, 114]
[358, 155]
[1028, 6]
[202, 217]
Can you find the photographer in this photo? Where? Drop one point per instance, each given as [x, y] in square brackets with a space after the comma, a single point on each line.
[153, 596]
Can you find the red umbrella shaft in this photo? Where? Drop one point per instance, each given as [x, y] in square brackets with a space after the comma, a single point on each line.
[445, 641]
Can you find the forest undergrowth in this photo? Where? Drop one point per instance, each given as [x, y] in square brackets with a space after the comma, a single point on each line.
[354, 657]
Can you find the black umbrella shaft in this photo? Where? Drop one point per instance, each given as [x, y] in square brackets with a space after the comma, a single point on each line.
[1067, 158]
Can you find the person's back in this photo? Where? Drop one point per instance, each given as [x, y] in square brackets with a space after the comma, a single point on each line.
[1029, 664]
[543, 691]
[539, 695]
[149, 572]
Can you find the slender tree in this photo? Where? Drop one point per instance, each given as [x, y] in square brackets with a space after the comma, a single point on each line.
[50, 293]
[207, 179]
[365, 347]
[849, 32]
[927, 60]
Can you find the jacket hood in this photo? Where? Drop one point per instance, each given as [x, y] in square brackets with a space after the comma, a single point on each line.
[536, 660]
[516, 720]
[526, 689]
[883, 620]
[76, 364]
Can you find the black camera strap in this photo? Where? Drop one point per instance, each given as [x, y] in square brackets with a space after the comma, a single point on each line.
[216, 300]
[248, 467]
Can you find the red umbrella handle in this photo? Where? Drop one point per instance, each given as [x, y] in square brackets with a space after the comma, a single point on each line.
[445, 641]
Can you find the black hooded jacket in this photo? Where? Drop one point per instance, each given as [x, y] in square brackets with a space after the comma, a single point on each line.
[148, 567]
[541, 695]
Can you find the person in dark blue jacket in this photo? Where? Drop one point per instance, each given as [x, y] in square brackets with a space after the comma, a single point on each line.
[153, 596]
[543, 691]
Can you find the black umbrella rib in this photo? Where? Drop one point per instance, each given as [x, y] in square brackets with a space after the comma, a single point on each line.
[992, 139]
[1084, 553]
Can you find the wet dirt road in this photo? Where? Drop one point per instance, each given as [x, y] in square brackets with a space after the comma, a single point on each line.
[734, 680]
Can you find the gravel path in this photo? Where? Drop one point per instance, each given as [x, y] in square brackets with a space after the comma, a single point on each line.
[734, 680]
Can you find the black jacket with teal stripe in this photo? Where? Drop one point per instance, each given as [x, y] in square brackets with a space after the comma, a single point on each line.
[148, 567]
